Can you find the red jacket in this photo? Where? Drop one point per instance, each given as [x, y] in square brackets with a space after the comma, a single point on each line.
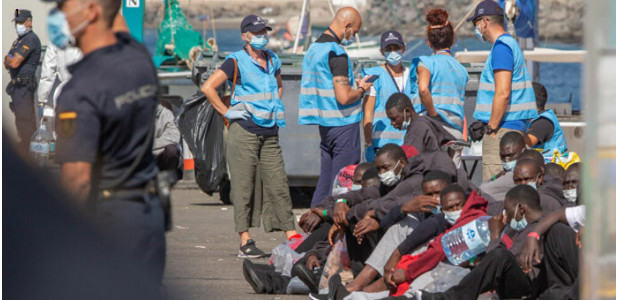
[475, 207]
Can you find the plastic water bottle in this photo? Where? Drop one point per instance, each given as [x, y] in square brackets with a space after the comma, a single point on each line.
[467, 241]
[39, 145]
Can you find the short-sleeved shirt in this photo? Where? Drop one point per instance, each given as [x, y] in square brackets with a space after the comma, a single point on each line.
[542, 129]
[28, 46]
[338, 63]
[228, 68]
[576, 216]
[105, 113]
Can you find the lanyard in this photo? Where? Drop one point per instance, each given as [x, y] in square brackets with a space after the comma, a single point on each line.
[395, 81]
[266, 58]
[444, 51]
[334, 35]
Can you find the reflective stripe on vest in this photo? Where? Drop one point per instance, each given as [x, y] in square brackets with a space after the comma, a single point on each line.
[258, 92]
[522, 103]
[382, 131]
[557, 142]
[448, 87]
[317, 102]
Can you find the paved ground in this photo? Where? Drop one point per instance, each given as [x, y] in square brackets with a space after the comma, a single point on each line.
[202, 249]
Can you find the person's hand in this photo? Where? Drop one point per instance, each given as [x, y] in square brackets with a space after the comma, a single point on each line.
[419, 204]
[529, 255]
[340, 214]
[310, 220]
[312, 262]
[395, 277]
[578, 237]
[370, 153]
[237, 115]
[365, 226]
[476, 131]
[392, 261]
[334, 234]
[496, 225]
[364, 84]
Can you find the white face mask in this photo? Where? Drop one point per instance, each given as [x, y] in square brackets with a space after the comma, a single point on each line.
[406, 123]
[452, 216]
[570, 195]
[21, 29]
[356, 187]
[389, 178]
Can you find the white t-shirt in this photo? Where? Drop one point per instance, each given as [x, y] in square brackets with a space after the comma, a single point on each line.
[401, 82]
[576, 216]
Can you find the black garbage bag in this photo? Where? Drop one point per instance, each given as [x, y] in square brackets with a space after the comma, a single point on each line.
[202, 129]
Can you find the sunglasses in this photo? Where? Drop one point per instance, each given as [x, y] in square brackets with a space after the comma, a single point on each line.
[475, 21]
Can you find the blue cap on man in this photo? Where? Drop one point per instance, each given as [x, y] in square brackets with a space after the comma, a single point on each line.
[487, 8]
[253, 23]
[391, 37]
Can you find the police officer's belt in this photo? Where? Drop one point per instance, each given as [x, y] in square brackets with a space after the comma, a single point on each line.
[129, 193]
[22, 80]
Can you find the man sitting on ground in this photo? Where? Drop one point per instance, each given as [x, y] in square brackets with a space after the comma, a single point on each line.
[531, 172]
[570, 184]
[555, 170]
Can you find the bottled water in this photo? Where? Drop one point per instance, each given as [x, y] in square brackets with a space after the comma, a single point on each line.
[466, 242]
[39, 145]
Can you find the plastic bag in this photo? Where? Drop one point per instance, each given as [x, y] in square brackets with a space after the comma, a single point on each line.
[440, 279]
[283, 259]
[202, 129]
[337, 262]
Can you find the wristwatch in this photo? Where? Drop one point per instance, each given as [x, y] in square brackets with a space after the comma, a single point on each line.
[489, 130]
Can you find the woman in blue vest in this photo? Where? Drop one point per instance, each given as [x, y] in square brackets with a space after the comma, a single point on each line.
[441, 78]
[393, 78]
[255, 115]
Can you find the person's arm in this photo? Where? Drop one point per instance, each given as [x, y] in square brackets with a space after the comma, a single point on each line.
[424, 77]
[496, 226]
[369, 109]
[530, 254]
[13, 62]
[540, 131]
[393, 216]
[280, 84]
[210, 90]
[423, 232]
[502, 80]
[345, 94]
[75, 178]
[48, 74]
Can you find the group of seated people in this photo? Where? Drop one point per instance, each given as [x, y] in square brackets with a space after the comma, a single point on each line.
[411, 196]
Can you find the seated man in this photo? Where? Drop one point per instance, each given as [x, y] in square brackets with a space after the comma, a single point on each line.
[531, 172]
[512, 145]
[499, 269]
[544, 131]
[570, 184]
[349, 178]
[555, 170]
[166, 146]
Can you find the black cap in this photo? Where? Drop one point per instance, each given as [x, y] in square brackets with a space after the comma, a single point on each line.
[253, 23]
[487, 8]
[391, 37]
[21, 15]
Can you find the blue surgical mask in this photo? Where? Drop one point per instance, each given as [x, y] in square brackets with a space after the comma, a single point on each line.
[258, 42]
[356, 187]
[435, 210]
[509, 165]
[21, 29]
[393, 58]
[347, 42]
[478, 34]
[58, 29]
[518, 225]
[452, 216]
[406, 122]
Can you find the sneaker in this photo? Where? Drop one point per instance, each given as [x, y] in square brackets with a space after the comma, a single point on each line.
[249, 272]
[336, 290]
[316, 296]
[249, 250]
[310, 278]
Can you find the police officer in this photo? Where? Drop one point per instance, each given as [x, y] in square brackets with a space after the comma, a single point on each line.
[22, 61]
[327, 98]
[394, 77]
[544, 132]
[505, 99]
[105, 126]
[255, 115]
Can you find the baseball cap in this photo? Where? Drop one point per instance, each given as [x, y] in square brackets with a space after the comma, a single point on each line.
[486, 8]
[21, 15]
[253, 23]
[391, 37]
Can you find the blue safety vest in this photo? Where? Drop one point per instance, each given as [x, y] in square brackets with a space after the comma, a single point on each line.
[258, 92]
[318, 104]
[448, 87]
[522, 103]
[383, 132]
[557, 142]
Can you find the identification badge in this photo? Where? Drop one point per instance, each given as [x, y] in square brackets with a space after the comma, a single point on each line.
[67, 124]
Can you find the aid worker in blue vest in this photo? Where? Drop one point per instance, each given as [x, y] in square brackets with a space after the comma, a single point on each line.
[256, 114]
[441, 79]
[544, 133]
[394, 77]
[505, 99]
[328, 98]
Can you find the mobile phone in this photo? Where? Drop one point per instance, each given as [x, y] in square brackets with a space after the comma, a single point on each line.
[372, 78]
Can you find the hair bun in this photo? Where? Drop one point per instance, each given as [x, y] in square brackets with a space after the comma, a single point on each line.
[436, 17]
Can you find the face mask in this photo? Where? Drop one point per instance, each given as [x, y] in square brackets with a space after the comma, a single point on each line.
[533, 183]
[393, 58]
[406, 123]
[452, 216]
[58, 29]
[21, 29]
[570, 195]
[509, 165]
[478, 34]
[436, 210]
[347, 42]
[356, 187]
[258, 42]
[518, 225]
[389, 178]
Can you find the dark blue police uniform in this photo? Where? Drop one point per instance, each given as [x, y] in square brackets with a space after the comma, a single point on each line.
[23, 84]
[104, 115]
